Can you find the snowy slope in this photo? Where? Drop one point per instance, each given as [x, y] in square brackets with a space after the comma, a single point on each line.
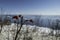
[34, 31]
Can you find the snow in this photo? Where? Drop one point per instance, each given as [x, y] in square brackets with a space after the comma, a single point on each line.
[11, 29]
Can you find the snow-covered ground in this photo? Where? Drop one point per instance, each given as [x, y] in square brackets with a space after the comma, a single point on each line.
[33, 32]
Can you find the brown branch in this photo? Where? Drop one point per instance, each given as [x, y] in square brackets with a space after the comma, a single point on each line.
[18, 31]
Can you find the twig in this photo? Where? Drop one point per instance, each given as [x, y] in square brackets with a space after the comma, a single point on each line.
[19, 29]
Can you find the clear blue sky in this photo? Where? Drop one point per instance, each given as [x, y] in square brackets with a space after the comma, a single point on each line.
[30, 7]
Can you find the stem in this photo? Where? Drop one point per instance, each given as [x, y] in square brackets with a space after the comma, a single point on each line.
[8, 34]
[1, 28]
[19, 29]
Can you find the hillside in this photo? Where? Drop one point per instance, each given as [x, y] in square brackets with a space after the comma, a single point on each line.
[28, 31]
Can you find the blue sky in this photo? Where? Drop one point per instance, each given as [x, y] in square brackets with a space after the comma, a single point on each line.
[30, 7]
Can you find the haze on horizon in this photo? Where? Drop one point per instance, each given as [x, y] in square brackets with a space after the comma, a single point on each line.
[30, 7]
